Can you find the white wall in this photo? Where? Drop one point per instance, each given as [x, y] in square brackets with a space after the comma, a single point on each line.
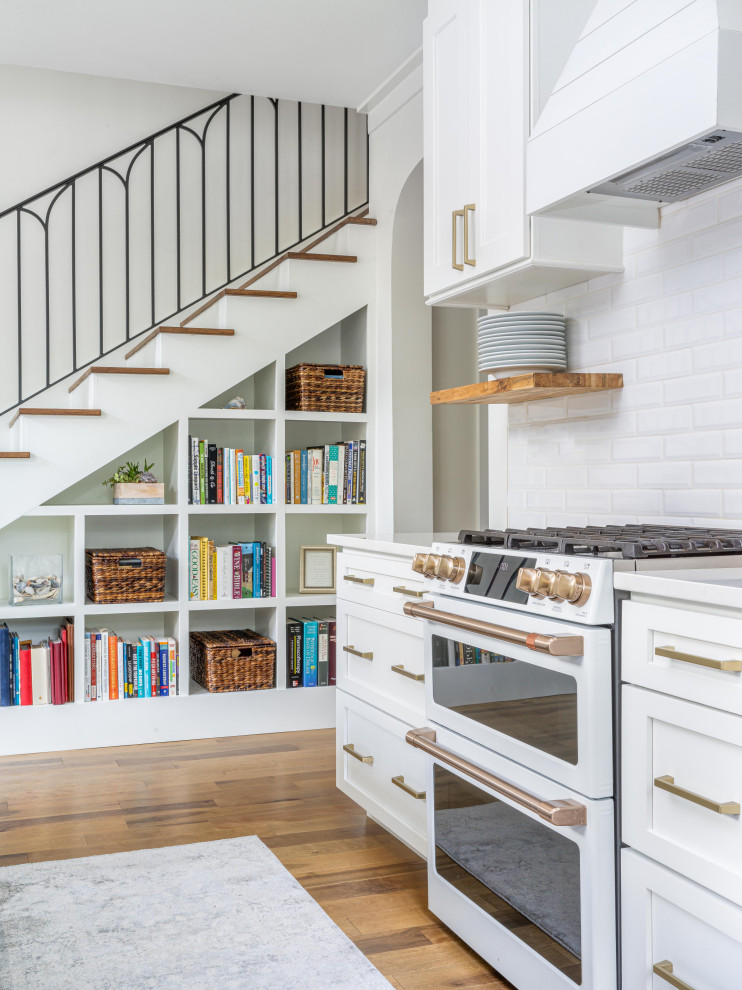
[668, 447]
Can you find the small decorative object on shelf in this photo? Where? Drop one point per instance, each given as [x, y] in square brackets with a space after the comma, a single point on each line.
[133, 485]
[236, 403]
[233, 660]
[325, 388]
[317, 570]
[332, 474]
[120, 576]
[35, 579]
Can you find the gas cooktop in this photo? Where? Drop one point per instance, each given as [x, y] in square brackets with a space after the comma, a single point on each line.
[631, 542]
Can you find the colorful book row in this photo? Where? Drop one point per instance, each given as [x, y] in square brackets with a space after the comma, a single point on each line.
[451, 653]
[116, 669]
[235, 570]
[310, 652]
[228, 476]
[37, 673]
[334, 474]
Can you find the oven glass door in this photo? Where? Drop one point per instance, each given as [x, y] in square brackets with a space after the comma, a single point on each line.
[520, 872]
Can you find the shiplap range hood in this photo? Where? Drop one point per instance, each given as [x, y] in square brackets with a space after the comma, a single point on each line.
[647, 110]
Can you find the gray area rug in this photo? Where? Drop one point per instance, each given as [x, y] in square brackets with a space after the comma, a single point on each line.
[535, 870]
[210, 916]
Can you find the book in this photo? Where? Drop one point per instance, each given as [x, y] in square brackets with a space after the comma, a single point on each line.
[341, 474]
[236, 571]
[362, 472]
[255, 463]
[220, 475]
[246, 550]
[211, 494]
[5, 696]
[294, 652]
[195, 489]
[269, 479]
[310, 652]
[40, 675]
[332, 646]
[202, 472]
[323, 653]
[113, 667]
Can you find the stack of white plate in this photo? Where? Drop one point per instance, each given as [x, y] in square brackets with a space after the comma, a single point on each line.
[521, 342]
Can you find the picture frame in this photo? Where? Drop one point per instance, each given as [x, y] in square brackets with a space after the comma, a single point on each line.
[317, 570]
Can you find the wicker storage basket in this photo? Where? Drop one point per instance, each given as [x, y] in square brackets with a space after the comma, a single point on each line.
[233, 660]
[325, 387]
[120, 576]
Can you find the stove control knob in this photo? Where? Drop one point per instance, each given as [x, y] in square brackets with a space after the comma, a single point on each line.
[451, 569]
[572, 588]
[526, 580]
[536, 581]
[431, 565]
[418, 563]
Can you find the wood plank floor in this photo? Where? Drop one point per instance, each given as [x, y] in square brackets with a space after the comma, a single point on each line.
[280, 787]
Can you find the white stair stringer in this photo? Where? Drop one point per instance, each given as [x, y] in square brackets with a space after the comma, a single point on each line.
[65, 450]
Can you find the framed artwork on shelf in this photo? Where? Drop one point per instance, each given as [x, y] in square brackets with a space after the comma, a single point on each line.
[317, 570]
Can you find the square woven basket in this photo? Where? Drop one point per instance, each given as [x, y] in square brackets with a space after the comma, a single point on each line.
[119, 576]
[233, 660]
[325, 388]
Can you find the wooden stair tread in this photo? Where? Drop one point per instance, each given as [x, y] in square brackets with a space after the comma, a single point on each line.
[261, 293]
[98, 369]
[33, 411]
[363, 221]
[526, 388]
[14, 453]
[191, 331]
[310, 256]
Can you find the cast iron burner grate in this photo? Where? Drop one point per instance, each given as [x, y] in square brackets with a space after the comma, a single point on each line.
[630, 541]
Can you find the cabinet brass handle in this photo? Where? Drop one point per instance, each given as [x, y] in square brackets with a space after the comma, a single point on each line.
[398, 668]
[357, 653]
[401, 590]
[673, 654]
[356, 580]
[399, 782]
[664, 971]
[470, 207]
[454, 263]
[667, 783]
[350, 749]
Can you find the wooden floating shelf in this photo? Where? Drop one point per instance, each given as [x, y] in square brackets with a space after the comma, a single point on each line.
[526, 388]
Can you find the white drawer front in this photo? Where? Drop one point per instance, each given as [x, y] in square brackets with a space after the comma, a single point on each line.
[673, 924]
[668, 743]
[380, 659]
[697, 639]
[379, 581]
[381, 757]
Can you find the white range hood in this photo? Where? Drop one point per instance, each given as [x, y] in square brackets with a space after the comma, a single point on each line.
[647, 110]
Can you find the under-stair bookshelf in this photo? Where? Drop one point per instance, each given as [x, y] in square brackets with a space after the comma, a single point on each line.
[83, 517]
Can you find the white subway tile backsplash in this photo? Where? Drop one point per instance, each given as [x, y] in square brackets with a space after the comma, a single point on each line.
[668, 446]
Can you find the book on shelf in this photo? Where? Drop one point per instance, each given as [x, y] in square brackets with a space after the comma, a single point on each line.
[334, 474]
[117, 669]
[310, 652]
[227, 475]
[37, 673]
[233, 571]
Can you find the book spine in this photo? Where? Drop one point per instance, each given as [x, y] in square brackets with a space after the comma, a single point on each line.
[211, 497]
[317, 458]
[240, 460]
[257, 573]
[131, 673]
[113, 667]
[195, 487]
[202, 445]
[263, 480]
[323, 653]
[164, 668]
[121, 666]
[310, 654]
[287, 470]
[296, 476]
[326, 476]
[236, 571]
[171, 660]
[273, 574]
[220, 475]
[332, 653]
[267, 557]
[190, 470]
[193, 572]
[203, 568]
[139, 693]
[294, 653]
[304, 494]
[362, 473]
[5, 691]
[269, 478]
[332, 483]
[16, 670]
[341, 473]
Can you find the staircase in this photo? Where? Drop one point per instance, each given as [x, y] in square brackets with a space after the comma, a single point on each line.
[97, 412]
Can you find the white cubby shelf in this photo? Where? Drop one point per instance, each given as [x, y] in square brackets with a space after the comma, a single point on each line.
[83, 516]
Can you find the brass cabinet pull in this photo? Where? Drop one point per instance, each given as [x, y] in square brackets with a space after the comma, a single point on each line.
[399, 782]
[357, 653]
[470, 207]
[664, 971]
[356, 580]
[454, 263]
[398, 668]
[350, 749]
[556, 646]
[410, 592]
[667, 783]
[673, 654]
[555, 812]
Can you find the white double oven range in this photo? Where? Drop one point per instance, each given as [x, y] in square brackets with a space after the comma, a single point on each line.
[522, 695]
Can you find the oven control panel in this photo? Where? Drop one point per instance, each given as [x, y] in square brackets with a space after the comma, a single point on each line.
[578, 588]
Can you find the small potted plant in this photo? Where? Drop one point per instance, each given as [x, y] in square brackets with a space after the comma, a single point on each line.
[133, 486]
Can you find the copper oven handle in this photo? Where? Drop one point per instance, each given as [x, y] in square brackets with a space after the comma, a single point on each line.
[557, 646]
[555, 812]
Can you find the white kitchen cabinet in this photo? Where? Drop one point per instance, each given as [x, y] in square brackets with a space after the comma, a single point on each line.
[481, 248]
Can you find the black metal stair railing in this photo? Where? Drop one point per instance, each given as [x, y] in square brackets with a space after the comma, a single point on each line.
[128, 243]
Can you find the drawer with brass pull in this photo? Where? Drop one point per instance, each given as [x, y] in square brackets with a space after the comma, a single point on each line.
[682, 787]
[674, 932]
[380, 659]
[683, 652]
[378, 770]
[381, 582]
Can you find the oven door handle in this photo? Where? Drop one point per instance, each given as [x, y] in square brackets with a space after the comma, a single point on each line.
[554, 812]
[556, 646]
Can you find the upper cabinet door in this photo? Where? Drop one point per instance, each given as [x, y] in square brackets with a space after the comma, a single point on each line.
[498, 108]
[448, 161]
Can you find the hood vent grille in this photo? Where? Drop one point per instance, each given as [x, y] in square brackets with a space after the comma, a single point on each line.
[697, 166]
